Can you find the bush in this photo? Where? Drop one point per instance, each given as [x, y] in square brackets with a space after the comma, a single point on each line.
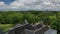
[15, 18]
[55, 25]
[31, 18]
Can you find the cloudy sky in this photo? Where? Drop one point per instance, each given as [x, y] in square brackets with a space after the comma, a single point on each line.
[53, 5]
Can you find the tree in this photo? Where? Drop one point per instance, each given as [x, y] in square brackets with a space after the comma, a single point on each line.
[15, 18]
[56, 25]
[3, 18]
[31, 18]
[44, 17]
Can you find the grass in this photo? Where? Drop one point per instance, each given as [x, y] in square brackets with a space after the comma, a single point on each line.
[6, 27]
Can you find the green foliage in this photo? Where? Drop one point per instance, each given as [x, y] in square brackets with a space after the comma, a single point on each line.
[48, 18]
[6, 27]
[11, 18]
[44, 17]
[55, 25]
[31, 16]
[15, 18]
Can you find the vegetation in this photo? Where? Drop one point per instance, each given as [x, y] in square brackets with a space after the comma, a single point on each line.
[6, 27]
[32, 17]
[48, 18]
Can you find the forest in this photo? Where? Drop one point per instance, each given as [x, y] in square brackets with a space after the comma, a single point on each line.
[10, 18]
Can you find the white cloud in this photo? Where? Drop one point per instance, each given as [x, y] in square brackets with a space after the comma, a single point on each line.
[17, 4]
[32, 5]
[1, 3]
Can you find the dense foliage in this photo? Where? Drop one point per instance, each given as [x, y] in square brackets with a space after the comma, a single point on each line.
[48, 18]
[32, 17]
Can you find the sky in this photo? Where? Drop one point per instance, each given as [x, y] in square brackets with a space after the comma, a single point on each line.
[7, 1]
[18, 5]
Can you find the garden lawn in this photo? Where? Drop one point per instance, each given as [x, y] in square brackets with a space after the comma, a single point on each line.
[6, 27]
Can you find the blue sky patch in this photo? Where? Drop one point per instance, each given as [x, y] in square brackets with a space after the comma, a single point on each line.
[7, 1]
